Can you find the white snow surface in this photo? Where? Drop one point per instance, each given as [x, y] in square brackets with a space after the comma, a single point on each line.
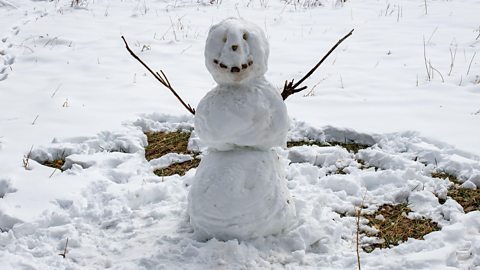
[68, 88]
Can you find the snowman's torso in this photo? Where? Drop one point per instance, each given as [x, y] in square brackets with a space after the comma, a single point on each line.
[252, 115]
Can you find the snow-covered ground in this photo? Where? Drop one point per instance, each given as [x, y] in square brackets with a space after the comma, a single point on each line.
[69, 88]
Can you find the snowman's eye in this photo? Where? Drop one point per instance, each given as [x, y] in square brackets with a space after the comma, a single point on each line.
[245, 36]
[224, 39]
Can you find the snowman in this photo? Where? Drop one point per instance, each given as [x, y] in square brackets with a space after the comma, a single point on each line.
[239, 190]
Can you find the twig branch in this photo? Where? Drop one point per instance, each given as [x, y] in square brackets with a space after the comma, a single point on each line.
[289, 88]
[161, 77]
[470, 65]
[358, 215]
[64, 254]
[425, 60]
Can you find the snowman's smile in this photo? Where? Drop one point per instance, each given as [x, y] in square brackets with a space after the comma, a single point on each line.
[233, 69]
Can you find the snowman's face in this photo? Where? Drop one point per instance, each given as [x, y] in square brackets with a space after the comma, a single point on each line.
[236, 51]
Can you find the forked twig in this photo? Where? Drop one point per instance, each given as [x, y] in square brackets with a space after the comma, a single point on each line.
[161, 77]
[289, 88]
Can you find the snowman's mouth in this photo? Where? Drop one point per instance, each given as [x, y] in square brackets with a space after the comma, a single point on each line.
[233, 69]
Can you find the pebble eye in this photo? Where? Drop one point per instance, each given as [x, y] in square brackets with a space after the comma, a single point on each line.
[245, 36]
[224, 39]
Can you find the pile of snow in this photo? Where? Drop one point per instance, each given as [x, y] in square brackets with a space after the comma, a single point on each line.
[126, 217]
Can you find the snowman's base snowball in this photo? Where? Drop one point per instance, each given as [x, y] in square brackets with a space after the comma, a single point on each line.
[240, 194]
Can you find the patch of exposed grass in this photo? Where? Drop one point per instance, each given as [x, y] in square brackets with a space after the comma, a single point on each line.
[161, 143]
[469, 199]
[395, 228]
[57, 163]
[350, 147]
[307, 143]
[444, 175]
[178, 168]
[364, 166]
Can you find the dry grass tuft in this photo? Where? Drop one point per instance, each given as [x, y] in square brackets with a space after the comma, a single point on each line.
[57, 163]
[350, 147]
[396, 228]
[161, 143]
[469, 199]
[444, 175]
[307, 143]
[178, 168]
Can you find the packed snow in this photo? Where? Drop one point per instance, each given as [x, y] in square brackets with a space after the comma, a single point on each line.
[69, 89]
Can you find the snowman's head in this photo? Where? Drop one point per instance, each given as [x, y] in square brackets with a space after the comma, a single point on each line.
[236, 51]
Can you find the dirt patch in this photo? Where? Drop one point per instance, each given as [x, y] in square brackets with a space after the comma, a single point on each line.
[469, 199]
[161, 143]
[350, 147]
[394, 227]
[178, 168]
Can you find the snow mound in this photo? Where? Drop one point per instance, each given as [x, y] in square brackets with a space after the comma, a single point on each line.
[126, 217]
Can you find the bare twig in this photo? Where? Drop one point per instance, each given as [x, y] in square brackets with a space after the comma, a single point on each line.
[56, 90]
[64, 254]
[453, 55]
[431, 36]
[434, 69]
[358, 214]
[289, 88]
[35, 120]
[425, 59]
[26, 159]
[470, 65]
[161, 77]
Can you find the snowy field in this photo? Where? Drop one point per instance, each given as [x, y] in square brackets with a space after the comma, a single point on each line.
[406, 83]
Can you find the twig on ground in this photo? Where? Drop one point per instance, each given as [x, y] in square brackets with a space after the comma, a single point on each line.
[431, 36]
[26, 159]
[358, 214]
[289, 88]
[56, 90]
[64, 254]
[35, 120]
[453, 55]
[470, 65]
[161, 77]
[434, 69]
[54, 170]
[425, 59]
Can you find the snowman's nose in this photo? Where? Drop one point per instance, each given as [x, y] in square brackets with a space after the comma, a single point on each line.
[234, 47]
